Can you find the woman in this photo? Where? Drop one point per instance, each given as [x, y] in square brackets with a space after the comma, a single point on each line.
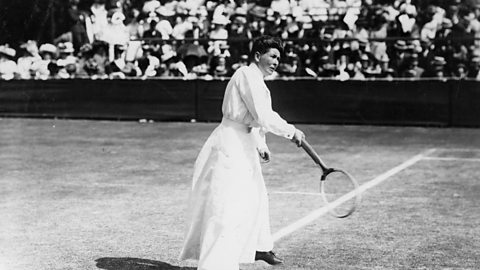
[229, 220]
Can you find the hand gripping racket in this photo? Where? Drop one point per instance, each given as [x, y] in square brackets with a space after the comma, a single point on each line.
[336, 185]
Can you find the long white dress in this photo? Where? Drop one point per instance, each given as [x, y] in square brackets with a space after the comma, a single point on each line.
[228, 205]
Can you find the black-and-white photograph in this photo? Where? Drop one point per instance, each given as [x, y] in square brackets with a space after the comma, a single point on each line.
[239, 134]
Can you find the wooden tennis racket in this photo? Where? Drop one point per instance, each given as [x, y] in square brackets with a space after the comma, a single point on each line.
[338, 188]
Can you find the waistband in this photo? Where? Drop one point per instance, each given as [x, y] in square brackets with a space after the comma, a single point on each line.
[240, 126]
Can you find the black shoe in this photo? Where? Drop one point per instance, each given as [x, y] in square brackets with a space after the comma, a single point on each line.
[268, 256]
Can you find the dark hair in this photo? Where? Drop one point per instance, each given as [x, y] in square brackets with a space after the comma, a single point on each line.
[263, 43]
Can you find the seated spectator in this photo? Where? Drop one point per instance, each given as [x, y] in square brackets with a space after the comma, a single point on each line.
[242, 62]
[436, 68]
[8, 67]
[28, 56]
[67, 62]
[460, 71]
[219, 31]
[412, 69]
[181, 27]
[43, 68]
[221, 69]
[148, 63]
[119, 68]
[290, 66]
[474, 71]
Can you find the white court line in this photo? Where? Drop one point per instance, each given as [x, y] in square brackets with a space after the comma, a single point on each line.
[458, 149]
[452, 159]
[323, 210]
[296, 193]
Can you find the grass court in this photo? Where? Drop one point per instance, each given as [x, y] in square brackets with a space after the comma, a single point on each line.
[79, 194]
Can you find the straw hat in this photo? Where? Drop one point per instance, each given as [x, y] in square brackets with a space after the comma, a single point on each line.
[220, 20]
[48, 48]
[7, 51]
[438, 61]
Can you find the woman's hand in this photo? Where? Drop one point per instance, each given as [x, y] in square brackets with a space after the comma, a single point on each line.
[264, 154]
[298, 137]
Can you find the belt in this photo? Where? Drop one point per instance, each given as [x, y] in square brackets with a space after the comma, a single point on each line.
[236, 125]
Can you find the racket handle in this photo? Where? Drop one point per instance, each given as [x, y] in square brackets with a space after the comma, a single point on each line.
[311, 152]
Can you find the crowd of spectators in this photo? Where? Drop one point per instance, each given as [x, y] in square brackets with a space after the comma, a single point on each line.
[342, 39]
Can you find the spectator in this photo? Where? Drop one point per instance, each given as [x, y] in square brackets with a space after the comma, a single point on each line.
[79, 32]
[8, 67]
[460, 71]
[436, 68]
[134, 25]
[115, 32]
[474, 71]
[367, 22]
[148, 63]
[97, 21]
[119, 68]
[181, 28]
[219, 31]
[29, 55]
[42, 68]
[242, 61]
[412, 70]
[67, 62]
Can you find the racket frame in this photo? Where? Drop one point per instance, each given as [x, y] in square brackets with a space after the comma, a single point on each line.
[325, 172]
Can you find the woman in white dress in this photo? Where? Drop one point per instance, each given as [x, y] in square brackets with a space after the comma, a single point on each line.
[228, 206]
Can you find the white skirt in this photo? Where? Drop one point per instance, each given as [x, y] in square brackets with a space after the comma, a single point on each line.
[228, 206]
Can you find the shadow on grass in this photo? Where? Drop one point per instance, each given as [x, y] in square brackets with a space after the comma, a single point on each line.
[136, 264]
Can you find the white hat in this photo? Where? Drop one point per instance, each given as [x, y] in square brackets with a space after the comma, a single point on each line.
[150, 6]
[7, 51]
[221, 20]
[164, 11]
[167, 55]
[66, 47]
[168, 52]
[47, 47]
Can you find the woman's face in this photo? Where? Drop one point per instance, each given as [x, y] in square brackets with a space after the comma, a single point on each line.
[268, 61]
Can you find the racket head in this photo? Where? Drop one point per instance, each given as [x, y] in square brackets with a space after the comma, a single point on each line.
[339, 189]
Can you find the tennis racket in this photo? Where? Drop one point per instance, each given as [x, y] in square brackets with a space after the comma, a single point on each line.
[338, 188]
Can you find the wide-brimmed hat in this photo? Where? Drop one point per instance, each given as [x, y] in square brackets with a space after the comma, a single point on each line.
[364, 57]
[240, 11]
[30, 46]
[438, 61]
[164, 11]
[7, 51]
[400, 45]
[48, 48]
[220, 20]
[150, 6]
[306, 21]
[65, 47]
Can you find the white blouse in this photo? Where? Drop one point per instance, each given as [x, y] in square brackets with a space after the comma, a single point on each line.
[247, 100]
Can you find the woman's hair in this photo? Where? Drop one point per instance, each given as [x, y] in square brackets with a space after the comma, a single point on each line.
[263, 43]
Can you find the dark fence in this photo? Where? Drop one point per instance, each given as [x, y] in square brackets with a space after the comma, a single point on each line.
[373, 102]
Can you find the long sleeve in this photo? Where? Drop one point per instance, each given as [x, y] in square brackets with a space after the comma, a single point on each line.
[256, 97]
[260, 138]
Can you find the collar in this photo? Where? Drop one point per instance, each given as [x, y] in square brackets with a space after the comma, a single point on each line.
[256, 70]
